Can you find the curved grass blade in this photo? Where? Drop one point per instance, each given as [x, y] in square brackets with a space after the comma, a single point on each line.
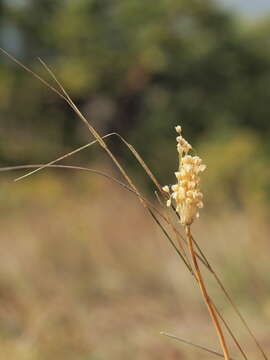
[150, 205]
[60, 158]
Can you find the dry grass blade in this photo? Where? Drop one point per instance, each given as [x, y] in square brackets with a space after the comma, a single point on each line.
[141, 161]
[91, 129]
[239, 315]
[208, 303]
[203, 259]
[230, 331]
[132, 149]
[178, 236]
[98, 172]
[64, 95]
[41, 166]
[229, 298]
[171, 241]
[192, 344]
[60, 158]
[150, 205]
[44, 82]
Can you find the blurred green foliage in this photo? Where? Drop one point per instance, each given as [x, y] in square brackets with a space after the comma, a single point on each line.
[137, 68]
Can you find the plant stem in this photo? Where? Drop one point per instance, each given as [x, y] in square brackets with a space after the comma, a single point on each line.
[205, 295]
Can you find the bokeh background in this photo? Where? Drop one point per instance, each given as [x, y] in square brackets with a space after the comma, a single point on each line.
[85, 274]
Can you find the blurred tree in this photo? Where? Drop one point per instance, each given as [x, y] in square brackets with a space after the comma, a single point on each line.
[133, 66]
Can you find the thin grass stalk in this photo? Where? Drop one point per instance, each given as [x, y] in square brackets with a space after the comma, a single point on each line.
[229, 298]
[64, 95]
[192, 344]
[204, 262]
[203, 259]
[178, 235]
[150, 205]
[98, 172]
[61, 158]
[229, 331]
[170, 240]
[208, 303]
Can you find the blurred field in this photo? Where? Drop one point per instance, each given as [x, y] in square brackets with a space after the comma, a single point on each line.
[86, 274]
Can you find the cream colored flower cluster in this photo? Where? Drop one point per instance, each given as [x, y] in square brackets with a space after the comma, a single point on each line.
[186, 192]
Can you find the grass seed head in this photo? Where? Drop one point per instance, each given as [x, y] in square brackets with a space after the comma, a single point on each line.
[186, 192]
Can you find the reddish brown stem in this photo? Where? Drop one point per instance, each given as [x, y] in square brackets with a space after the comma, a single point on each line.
[207, 300]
